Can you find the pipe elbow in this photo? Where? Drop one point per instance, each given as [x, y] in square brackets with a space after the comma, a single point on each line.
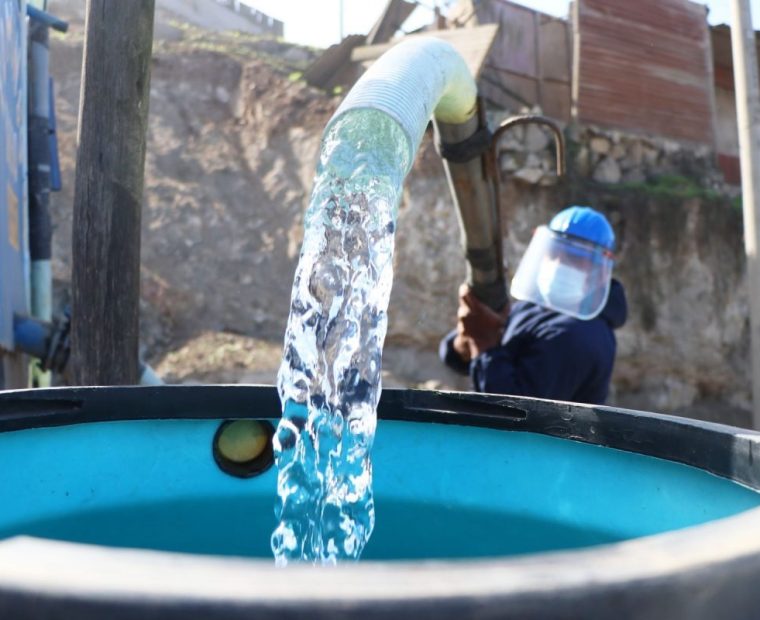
[459, 100]
[413, 81]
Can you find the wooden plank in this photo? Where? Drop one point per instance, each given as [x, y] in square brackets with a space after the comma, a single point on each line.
[537, 52]
[108, 192]
[321, 72]
[472, 43]
[557, 100]
[515, 47]
[395, 14]
[556, 52]
[507, 91]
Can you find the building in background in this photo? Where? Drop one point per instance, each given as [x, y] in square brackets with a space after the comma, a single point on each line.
[650, 67]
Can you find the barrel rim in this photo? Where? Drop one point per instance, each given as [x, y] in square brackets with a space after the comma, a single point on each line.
[725, 451]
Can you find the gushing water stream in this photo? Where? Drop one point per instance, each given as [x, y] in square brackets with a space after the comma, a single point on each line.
[330, 377]
[329, 380]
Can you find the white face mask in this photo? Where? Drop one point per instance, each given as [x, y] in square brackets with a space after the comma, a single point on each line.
[561, 285]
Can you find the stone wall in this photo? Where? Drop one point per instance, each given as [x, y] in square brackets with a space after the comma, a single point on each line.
[604, 156]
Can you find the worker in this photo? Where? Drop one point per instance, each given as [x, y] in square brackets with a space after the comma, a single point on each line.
[557, 341]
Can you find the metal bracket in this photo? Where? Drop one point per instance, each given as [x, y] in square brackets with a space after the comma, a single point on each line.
[476, 145]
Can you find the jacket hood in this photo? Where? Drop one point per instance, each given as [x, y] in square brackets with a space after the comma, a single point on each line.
[615, 311]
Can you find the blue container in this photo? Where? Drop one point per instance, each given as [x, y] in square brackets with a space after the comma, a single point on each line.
[14, 261]
[486, 506]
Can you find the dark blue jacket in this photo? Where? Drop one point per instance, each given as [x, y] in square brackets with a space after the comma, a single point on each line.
[546, 354]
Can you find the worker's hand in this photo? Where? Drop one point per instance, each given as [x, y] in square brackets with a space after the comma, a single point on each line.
[462, 346]
[478, 327]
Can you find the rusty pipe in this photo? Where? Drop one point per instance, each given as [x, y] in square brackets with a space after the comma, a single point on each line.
[534, 119]
[506, 125]
[469, 173]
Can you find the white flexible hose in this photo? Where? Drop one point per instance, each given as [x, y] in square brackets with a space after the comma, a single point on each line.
[413, 81]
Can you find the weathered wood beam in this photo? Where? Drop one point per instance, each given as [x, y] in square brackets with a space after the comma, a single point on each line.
[472, 43]
[113, 119]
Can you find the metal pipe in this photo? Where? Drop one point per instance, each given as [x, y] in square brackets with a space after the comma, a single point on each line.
[474, 181]
[49, 342]
[40, 227]
[32, 336]
[46, 18]
[477, 209]
[535, 119]
[510, 123]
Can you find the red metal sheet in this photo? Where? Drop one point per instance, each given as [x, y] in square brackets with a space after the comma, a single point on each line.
[643, 67]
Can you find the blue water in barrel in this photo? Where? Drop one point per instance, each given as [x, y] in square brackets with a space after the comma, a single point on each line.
[441, 491]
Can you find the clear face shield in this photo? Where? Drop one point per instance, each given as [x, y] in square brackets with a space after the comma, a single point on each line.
[565, 274]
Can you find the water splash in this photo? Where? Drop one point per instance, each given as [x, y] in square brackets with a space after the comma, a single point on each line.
[329, 380]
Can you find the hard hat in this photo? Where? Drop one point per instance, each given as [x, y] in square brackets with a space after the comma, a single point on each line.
[585, 223]
[568, 264]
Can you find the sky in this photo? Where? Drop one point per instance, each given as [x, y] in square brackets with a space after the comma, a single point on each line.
[317, 22]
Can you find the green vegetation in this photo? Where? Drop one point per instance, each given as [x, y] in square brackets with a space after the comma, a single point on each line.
[664, 187]
[673, 187]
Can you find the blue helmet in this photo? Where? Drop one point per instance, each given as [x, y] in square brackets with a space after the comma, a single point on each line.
[584, 223]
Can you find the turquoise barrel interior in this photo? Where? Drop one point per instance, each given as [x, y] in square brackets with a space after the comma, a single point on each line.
[442, 490]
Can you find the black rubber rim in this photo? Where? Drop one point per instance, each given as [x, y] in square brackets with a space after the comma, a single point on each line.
[722, 450]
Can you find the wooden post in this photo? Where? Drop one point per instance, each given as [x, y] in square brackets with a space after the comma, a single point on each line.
[575, 75]
[113, 119]
[539, 68]
[748, 119]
